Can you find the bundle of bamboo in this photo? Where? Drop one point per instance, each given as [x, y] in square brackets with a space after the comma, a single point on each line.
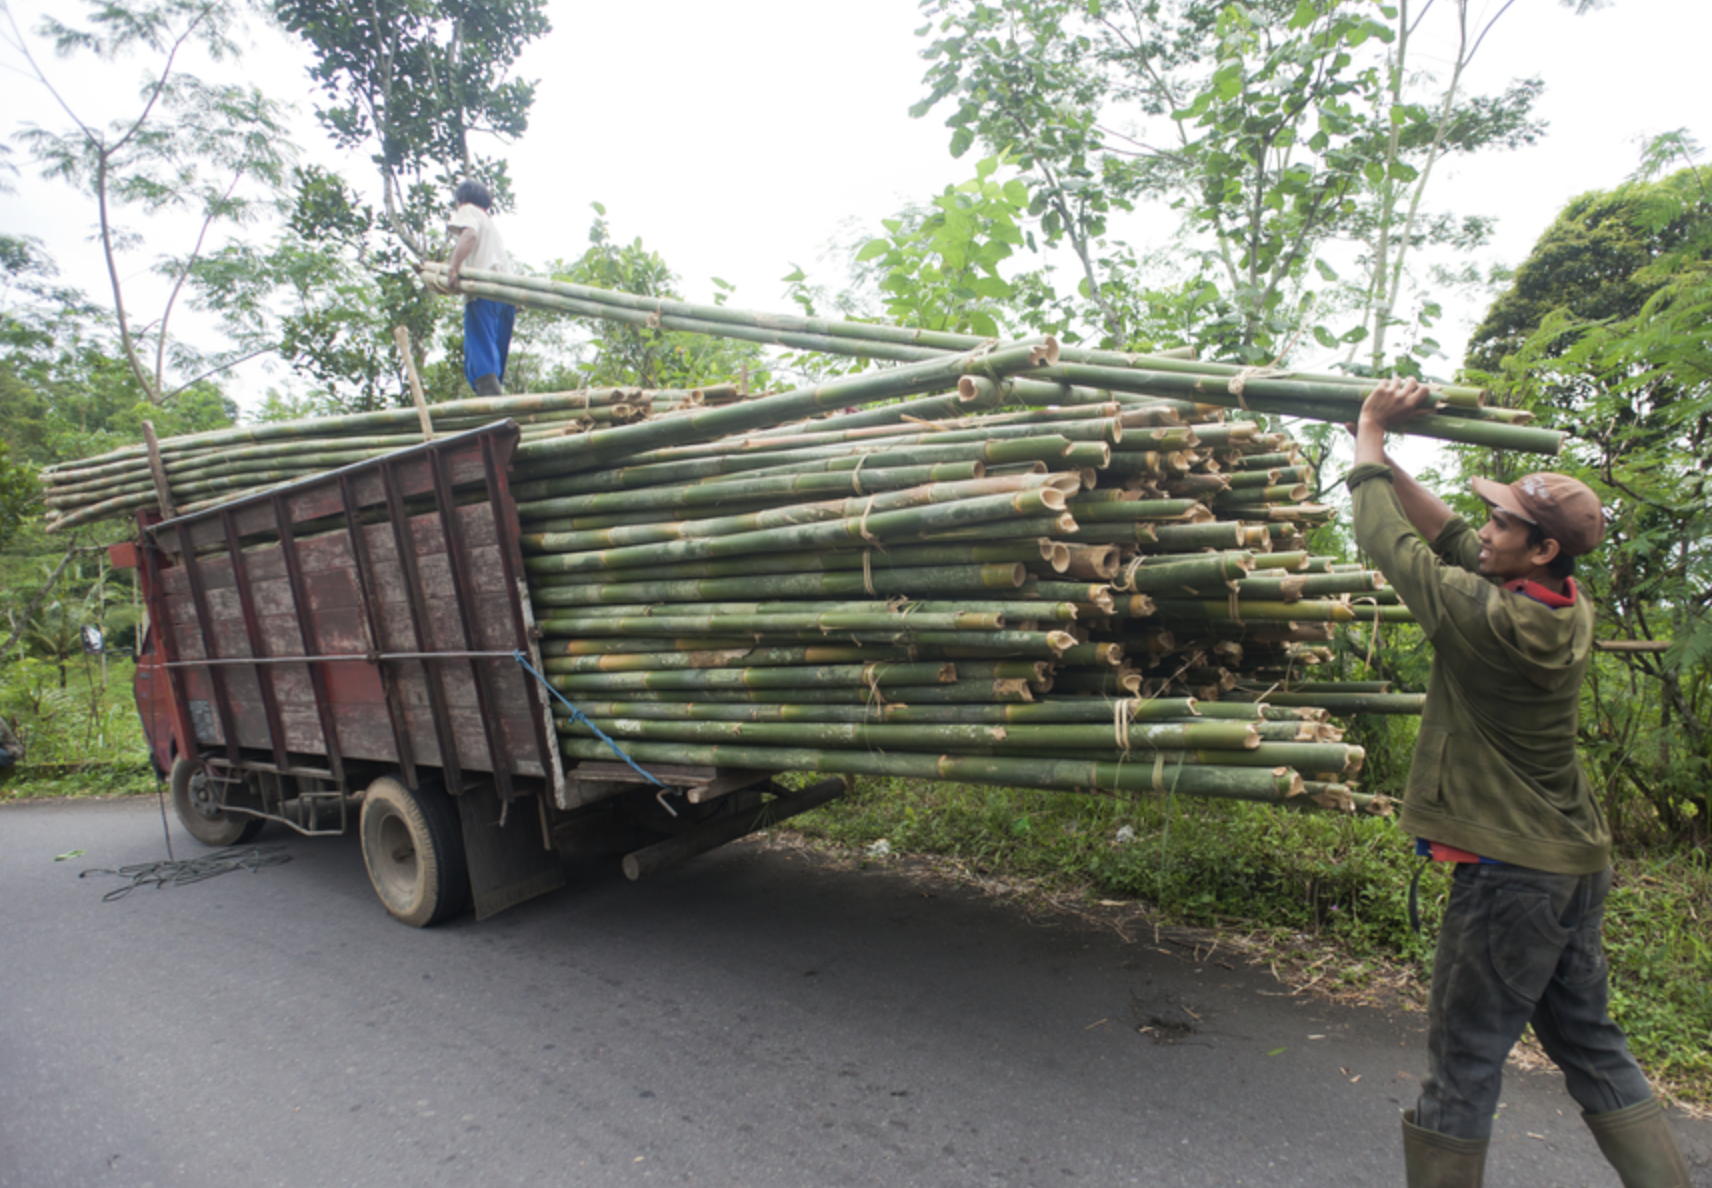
[996, 563]
[1462, 414]
[1019, 595]
[204, 469]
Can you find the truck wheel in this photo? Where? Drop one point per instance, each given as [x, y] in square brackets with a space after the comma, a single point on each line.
[413, 846]
[198, 802]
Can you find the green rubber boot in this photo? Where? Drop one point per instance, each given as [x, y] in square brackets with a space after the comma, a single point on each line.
[1434, 1160]
[488, 385]
[1639, 1143]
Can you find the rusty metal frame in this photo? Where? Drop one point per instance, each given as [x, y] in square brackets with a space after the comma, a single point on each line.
[264, 673]
[362, 563]
[498, 754]
[433, 675]
[183, 727]
[307, 631]
[510, 558]
[199, 599]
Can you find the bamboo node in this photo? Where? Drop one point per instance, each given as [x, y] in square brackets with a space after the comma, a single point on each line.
[978, 359]
[924, 423]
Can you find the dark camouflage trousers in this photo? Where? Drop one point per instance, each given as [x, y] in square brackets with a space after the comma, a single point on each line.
[1521, 946]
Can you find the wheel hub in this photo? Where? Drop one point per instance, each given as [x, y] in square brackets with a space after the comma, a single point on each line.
[203, 797]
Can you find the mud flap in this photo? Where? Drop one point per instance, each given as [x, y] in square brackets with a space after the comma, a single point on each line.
[508, 864]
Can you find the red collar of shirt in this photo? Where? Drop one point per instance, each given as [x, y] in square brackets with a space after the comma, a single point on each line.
[1540, 594]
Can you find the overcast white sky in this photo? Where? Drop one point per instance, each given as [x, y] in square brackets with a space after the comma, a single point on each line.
[737, 138]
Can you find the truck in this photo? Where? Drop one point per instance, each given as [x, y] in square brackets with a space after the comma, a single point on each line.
[358, 650]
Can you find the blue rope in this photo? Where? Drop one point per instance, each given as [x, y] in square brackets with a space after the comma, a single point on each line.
[577, 716]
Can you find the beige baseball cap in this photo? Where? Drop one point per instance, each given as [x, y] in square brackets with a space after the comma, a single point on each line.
[1565, 509]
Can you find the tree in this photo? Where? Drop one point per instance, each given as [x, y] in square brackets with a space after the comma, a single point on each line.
[20, 494]
[214, 151]
[66, 390]
[938, 268]
[325, 296]
[412, 80]
[1607, 332]
[1278, 129]
[414, 83]
[640, 356]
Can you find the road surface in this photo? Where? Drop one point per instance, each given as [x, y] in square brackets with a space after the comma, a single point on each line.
[752, 1019]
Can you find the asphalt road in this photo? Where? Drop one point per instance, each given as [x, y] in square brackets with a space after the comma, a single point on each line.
[754, 1019]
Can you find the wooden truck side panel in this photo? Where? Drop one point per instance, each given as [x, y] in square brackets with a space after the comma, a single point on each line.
[364, 729]
[370, 615]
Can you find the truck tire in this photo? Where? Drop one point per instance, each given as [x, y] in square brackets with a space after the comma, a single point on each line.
[197, 801]
[413, 846]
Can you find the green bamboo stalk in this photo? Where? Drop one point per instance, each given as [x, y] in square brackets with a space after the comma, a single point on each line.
[1032, 551]
[745, 655]
[1353, 703]
[861, 676]
[1062, 524]
[883, 582]
[1047, 448]
[1261, 784]
[1095, 512]
[1311, 585]
[1340, 687]
[866, 481]
[933, 739]
[874, 527]
[964, 692]
[808, 621]
[1080, 710]
[1176, 573]
[1288, 561]
[1308, 609]
[601, 446]
[791, 515]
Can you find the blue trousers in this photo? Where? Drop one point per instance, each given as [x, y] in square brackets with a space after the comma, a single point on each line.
[1517, 947]
[487, 337]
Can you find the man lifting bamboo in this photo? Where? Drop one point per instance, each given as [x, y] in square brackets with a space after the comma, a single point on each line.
[1495, 788]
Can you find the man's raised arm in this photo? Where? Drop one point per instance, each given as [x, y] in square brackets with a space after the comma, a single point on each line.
[1392, 403]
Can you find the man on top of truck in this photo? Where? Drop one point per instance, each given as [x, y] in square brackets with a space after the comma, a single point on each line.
[487, 324]
[1495, 787]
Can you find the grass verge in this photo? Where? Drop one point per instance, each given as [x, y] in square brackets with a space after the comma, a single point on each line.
[1324, 898]
[79, 727]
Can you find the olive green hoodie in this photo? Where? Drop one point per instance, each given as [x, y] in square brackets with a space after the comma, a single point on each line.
[1495, 771]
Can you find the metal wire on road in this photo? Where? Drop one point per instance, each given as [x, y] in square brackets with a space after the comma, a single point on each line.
[191, 870]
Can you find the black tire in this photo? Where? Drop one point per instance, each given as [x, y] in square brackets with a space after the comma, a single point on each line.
[413, 846]
[199, 803]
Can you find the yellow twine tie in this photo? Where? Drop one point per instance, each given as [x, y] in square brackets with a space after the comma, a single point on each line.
[862, 528]
[1239, 381]
[871, 677]
[1127, 581]
[1373, 636]
[1123, 715]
